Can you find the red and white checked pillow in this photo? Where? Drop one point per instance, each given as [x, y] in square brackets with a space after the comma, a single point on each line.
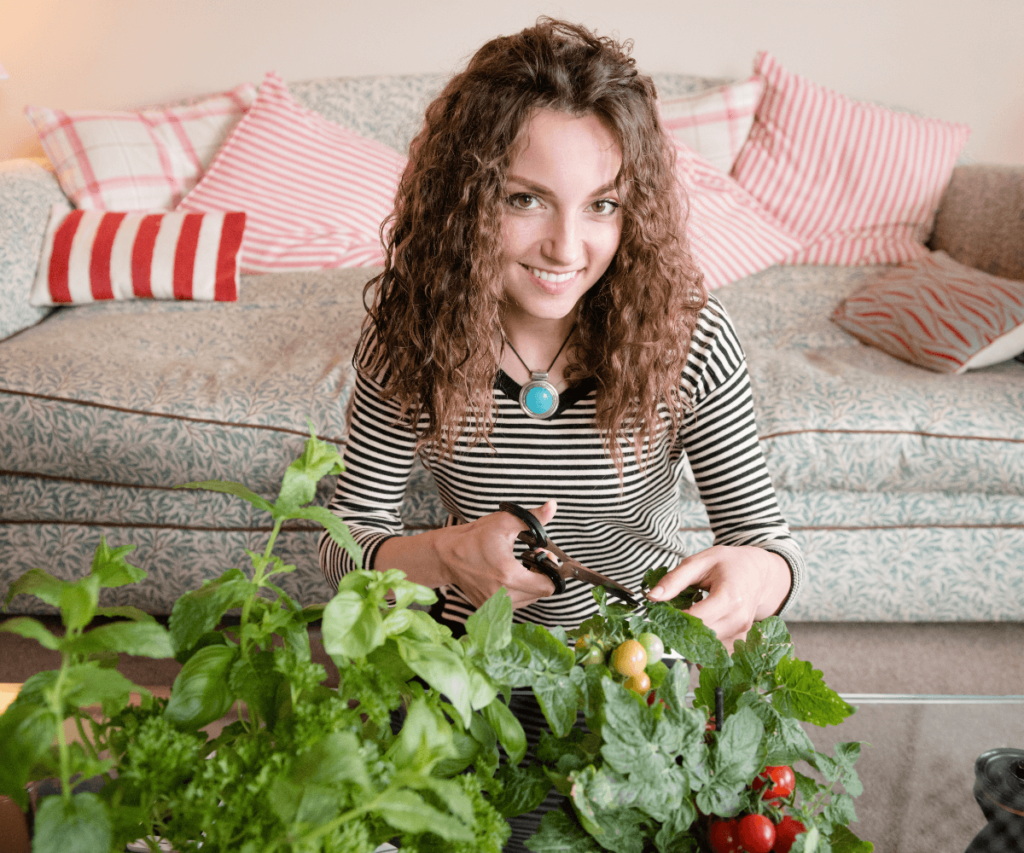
[730, 234]
[95, 255]
[134, 161]
[315, 192]
[714, 123]
[855, 182]
[939, 314]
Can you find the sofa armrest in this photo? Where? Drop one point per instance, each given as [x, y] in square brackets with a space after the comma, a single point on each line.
[28, 189]
[980, 221]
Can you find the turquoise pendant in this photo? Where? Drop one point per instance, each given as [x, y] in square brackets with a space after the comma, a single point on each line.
[538, 398]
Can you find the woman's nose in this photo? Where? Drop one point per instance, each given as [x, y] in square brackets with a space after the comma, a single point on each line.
[563, 242]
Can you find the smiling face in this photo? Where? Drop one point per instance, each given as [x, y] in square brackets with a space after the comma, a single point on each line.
[562, 223]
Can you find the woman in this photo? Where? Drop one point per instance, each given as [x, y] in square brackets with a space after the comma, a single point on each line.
[540, 334]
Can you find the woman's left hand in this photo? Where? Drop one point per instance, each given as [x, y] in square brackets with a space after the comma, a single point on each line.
[745, 584]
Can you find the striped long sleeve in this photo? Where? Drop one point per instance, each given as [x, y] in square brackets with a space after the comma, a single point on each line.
[620, 528]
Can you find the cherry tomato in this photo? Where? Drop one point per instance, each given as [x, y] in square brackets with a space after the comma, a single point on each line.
[639, 683]
[785, 834]
[757, 833]
[781, 782]
[723, 836]
[594, 655]
[653, 645]
[629, 658]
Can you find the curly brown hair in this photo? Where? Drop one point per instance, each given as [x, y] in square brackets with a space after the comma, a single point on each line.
[435, 309]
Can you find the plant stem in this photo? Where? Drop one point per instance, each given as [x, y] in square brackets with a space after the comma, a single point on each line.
[62, 745]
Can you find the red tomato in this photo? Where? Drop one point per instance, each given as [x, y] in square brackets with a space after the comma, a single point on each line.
[781, 782]
[786, 833]
[724, 837]
[757, 833]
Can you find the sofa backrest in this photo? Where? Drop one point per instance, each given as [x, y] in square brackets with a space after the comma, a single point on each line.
[389, 108]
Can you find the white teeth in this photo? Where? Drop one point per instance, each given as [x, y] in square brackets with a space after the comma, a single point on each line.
[550, 276]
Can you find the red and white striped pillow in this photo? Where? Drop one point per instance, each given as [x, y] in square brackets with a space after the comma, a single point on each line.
[95, 255]
[855, 182]
[939, 314]
[315, 192]
[145, 160]
[730, 234]
[714, 123]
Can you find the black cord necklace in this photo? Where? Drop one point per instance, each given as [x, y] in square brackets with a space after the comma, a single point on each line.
[538, 397]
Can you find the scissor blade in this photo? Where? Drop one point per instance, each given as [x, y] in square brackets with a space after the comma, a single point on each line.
[597, 579]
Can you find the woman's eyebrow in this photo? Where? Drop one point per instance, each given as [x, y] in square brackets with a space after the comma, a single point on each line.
[540, 189]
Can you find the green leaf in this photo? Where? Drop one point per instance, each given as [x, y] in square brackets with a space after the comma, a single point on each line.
[489, 629]
[559, 833]
[78, 825]
[201, 693]
[352, 626]
[785, 739]
[198, 612]
[26, 732]
[442, 669]
[126, 611]
[508, 729]
[298, 487]
[559, 699]
[547, 652]
[333, 759]
[844, 841]
[841, 767]
[338, 530]
[229, 488]
[522, 789]
[78, 602]
[407, 811]
[39, 583]
[756, 657]
[89, 684]
[690, 637]
[512, 666]
[255, 682]
[112, 569]
[31, 629]
[145, 639]
[736, 756]
[801, 693]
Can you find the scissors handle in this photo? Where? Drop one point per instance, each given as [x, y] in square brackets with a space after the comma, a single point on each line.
[535, 537]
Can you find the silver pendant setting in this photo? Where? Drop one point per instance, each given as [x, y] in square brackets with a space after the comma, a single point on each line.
[538, 398]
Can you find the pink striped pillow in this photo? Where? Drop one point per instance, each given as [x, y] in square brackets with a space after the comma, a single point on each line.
[714, 123]
[855, 182]
[95, 255]
[143, 160]
[939, 314]
[315, 193]
[730, 234]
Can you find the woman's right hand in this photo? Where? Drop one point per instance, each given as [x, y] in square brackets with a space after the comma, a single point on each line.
[478, 558]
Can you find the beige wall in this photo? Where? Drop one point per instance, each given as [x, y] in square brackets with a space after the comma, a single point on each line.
[961, 60]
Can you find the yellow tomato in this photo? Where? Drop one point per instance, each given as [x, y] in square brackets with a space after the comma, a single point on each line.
[629, 658]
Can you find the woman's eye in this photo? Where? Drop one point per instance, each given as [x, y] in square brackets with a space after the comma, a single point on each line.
[523, 201]
[605, 206]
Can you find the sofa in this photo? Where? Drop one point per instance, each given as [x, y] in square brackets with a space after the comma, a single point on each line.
[904, 486]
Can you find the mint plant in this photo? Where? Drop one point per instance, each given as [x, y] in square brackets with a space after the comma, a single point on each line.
[405, 748]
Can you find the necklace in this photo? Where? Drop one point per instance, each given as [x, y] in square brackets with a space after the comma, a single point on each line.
[538, 398]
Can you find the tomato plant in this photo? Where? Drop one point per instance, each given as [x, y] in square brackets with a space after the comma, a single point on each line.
[756, 833]
[780, 782]
[593, 655]
[785, 834]
[724, 837]
[629, 658]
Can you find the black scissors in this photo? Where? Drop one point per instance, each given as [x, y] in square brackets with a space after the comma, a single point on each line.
[539, 559]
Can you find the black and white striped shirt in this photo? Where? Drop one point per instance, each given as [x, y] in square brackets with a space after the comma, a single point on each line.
[619, 528]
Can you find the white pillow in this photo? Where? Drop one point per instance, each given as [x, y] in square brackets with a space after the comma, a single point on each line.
[714, 123]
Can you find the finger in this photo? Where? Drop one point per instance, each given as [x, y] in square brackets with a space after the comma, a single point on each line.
[692, 571]
[546, 511]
